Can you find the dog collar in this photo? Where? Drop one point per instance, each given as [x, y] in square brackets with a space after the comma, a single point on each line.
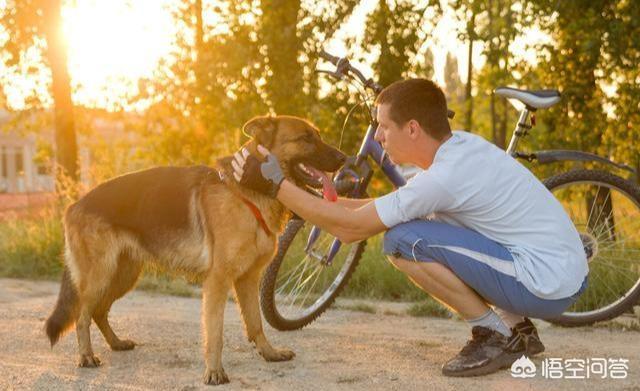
[252, 207]
[258, 215]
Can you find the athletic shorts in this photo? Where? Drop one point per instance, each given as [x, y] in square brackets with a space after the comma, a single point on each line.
[478, 261]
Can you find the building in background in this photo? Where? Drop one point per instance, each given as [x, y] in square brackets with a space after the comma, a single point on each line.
[19, 170]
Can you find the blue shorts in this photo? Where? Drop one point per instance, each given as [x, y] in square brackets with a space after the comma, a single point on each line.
[481, 263]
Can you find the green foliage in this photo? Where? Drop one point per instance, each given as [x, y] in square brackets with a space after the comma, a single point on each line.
[31, 248]
[394, 30]
[429, 307]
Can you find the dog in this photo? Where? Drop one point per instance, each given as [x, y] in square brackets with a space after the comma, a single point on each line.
[191, 219]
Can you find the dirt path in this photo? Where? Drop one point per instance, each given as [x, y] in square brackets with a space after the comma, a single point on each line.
[343, 350]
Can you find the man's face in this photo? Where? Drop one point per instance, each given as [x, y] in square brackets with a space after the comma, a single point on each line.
[394, 137]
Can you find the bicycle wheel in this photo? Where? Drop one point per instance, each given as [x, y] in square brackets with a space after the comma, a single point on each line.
[605, 209]
[299, 285]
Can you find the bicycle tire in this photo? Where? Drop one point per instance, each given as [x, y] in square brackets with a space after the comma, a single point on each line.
[268, 287]
[631, 297]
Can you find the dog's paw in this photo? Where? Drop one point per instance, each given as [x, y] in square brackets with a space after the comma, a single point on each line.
[88, 361]
[214, 377]
[278, 354]
[123, 345]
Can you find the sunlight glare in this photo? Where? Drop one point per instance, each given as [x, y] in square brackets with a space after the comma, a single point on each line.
[112, 44]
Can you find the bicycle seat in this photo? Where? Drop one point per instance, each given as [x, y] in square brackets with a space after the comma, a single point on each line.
[532, 99]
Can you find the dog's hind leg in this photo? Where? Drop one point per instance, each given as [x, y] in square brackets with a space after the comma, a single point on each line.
[123, 281]
[86, 357]
[214, 297]
[95, 269]
[247, 291]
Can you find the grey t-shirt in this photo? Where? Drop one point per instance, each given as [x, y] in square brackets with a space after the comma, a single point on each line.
[476, 185]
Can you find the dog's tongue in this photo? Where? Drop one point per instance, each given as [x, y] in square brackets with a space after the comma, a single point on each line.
[328, 190]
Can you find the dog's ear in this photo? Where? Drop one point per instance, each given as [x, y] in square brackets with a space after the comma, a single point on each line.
[262, 129]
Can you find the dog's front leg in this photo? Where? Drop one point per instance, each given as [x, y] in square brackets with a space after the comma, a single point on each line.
[247, 290]
[214, 297]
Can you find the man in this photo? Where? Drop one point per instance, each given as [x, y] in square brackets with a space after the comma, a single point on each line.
[474, 228]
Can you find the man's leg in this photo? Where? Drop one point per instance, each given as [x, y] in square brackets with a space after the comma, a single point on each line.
[509, 318]
[465, 271]
[441, 283]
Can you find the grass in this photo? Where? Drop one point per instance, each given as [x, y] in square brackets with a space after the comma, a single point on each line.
[615, 325]
[160, 282]
[31, 247]
[360, 307]
[429, 307]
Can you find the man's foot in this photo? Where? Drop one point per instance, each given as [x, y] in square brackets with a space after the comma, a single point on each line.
[525, 338]
[485, 353]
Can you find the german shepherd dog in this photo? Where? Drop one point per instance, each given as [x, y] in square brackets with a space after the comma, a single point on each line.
[193, 219]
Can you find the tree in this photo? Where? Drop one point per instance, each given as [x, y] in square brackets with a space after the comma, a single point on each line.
[454, 87]
[254, 60]
[29, 22]
[394, 30]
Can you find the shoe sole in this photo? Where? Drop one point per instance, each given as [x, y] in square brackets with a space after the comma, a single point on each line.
[533, 352]
[494, 366]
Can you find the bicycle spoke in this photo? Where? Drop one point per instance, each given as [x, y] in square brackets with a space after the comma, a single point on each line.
[304, 300]
[300, 264]
[300, 286]
[602, 208]
[612, 220]
[593, 206]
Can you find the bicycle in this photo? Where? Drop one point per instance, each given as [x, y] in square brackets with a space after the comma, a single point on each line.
[311, 267]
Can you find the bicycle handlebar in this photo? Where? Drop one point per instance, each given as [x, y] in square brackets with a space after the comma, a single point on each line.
[343, 67]
[332, 59]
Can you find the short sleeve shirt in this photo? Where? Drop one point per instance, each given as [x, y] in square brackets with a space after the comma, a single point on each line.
[476, 185]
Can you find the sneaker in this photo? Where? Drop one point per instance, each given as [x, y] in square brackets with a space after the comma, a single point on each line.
[485, 353]
[525, 338]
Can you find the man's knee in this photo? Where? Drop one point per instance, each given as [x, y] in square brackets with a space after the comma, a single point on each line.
[409, 267]
[399, 263]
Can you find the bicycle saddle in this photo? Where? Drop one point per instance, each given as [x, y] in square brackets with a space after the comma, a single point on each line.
[532, 99]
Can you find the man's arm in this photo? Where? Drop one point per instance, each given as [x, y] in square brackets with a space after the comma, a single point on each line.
[353, 203]
[338, 218]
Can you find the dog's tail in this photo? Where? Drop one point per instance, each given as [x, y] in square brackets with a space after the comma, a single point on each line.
[65, 313]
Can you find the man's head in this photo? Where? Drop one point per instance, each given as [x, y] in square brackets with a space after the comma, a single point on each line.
[412, 116]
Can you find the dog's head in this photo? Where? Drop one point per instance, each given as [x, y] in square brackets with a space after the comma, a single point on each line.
[303, 156]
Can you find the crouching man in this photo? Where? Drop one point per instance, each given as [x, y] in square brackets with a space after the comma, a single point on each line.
[474, 229]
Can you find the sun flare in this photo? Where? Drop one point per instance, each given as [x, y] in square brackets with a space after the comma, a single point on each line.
[112, 44]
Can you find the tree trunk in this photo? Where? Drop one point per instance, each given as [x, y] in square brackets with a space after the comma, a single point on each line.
[601, 221]
[469, 98]
[65, 135]
[279, 22]
[502, 128]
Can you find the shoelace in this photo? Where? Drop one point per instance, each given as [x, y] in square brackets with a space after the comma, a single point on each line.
[476, 340]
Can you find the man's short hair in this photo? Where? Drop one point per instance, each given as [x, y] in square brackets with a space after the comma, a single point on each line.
[418, 99]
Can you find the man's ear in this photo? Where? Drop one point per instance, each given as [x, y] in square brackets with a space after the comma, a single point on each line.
[414, 127]
[262, 129]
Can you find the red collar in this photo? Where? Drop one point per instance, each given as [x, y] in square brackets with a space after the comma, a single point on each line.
[254, 209]
[256, 212]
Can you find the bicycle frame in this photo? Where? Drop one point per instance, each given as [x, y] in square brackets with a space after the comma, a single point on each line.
[369, 148]
[556, 155]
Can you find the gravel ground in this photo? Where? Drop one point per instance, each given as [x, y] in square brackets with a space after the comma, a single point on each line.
[343, 350]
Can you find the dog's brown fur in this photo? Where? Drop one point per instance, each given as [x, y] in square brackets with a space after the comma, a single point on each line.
[183, 218]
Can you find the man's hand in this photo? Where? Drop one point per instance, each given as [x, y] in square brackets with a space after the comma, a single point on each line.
[263, 177]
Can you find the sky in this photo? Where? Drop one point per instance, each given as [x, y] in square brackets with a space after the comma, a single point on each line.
[114, 43]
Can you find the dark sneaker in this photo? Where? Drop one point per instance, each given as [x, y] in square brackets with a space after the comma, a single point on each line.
[525, 338]
[485, 353]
